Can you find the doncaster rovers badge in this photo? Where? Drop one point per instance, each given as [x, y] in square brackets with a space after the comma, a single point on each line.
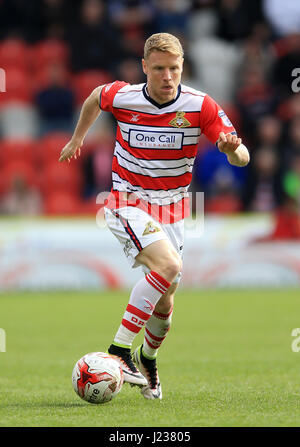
[150, 228]
[179, 120]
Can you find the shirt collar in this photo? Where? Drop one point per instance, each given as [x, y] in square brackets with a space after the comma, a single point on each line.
[156, 104]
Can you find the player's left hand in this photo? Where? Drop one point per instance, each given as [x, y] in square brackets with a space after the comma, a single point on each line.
[71, 149]
[228, 143]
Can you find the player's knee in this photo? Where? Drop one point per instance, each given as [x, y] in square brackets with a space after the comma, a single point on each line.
[175, 268]
[171, 267]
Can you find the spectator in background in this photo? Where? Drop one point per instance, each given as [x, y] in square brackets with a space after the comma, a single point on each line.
[292, 147]
[218, 180]
[269, 134]
[55, 102]
[243, 51]
[255, 98]
[172, 16]
[134, 21]
[223, 197]
[263, 188]
[21, 199]
[130, 70]
[132, 44]
[98, 161]
[216, 62]
[256, 49]
[289, 109]
[237, 17]
[202, 20]
[35, 19]
[47, 18]
[263, 191]
[189, 76]
[93, 40]
[132, 15]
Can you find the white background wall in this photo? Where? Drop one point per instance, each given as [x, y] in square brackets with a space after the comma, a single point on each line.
[77, 254]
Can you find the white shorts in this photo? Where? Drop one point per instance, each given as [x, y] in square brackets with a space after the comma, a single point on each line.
[135, 229]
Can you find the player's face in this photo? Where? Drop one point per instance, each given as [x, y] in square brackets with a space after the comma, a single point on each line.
[163, 71]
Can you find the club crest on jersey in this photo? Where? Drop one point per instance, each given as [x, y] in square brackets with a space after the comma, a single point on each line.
[150, 228]
[179, 120]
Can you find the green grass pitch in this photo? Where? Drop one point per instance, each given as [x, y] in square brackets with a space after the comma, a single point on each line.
[227, 361]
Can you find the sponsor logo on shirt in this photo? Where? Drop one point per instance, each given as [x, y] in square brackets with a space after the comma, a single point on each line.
[225, 119]
[150, 139]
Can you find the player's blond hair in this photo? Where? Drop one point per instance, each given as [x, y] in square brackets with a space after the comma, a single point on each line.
[163, 42]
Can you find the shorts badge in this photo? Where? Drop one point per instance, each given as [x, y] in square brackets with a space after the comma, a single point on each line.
[150, 228]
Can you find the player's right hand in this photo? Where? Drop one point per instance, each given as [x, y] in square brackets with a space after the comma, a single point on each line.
[71, 149]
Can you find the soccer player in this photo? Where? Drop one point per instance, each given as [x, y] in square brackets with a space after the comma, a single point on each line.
[159, 125]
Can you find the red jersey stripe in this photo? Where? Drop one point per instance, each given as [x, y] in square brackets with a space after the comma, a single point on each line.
[189, 151]
[160, 120]
[147, 182]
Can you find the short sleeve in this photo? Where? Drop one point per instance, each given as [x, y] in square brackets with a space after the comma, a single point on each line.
[214, 120]
[108, 93]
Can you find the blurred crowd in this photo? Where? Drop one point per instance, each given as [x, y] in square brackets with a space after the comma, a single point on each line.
[244, 53]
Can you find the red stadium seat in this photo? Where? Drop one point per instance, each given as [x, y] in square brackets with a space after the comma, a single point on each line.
[14, 169]
[18, 87]
[50, 146]
[49, 51]
[86, 81]
[17, 150]
[62, 203]
[43, 76]
[14, 53]
[61, 177]
[89, 207]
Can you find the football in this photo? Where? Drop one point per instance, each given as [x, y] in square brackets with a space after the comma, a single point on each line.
[97, 377]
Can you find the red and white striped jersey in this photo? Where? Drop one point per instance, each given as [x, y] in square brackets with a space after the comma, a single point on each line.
[156, 145]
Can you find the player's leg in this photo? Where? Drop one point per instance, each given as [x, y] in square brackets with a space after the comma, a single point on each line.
[161, 257]
[157, 253]
[147, 292]
[159, 324]
[156, 330]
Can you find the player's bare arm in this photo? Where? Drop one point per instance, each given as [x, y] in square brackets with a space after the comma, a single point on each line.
[88, 115]
[231, 145]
